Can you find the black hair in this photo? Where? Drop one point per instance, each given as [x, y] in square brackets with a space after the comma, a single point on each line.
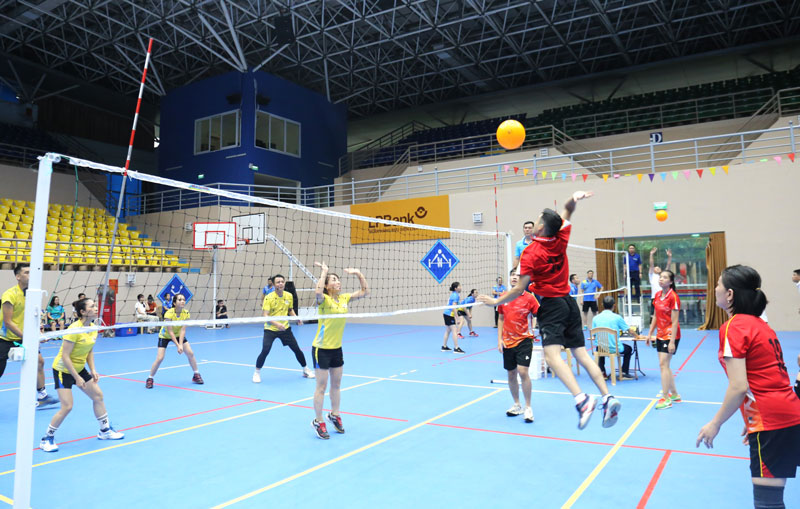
[797, 271]
[528, 223]
[270, 279]
[671, 277]
[454, 285]
[52, 299]
[748, 299]
[501, 277]
[219, 301]
[18, 268]
[631, 245]
[571, 276]
[276, 276]
[608, 302]
[473, 291]
[512, 272]
[590, 270]
[327, 277]
[80, 305]
[552, 222]
[81, 296]
[167, 295]
[139, 296]
[150, 297]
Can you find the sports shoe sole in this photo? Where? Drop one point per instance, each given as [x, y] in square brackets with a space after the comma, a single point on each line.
[611, 413]
[512, 414]
[586, 416]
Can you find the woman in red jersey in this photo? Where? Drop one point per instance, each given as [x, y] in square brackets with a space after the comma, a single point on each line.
[668, 335]
[758, 384]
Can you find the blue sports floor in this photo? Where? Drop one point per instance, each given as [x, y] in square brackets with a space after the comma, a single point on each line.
[424, 428]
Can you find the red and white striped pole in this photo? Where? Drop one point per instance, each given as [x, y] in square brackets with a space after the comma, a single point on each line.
[122, 187]
[138, 105]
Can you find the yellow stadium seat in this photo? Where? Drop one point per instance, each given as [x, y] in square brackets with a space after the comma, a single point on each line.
[7, 234]
[123, 233]
[26, 218]
[91, 240]
[2, 217]
[147, 242]
[66, 222]
[5, 209]
[89, 248]
[137, 251]
[75, 258]
[13, 218]
[137, 243]
[133, 234]
[78, 231]
[25, 227]
[102, 249]
[51, 237]
[76, 248]
[50, 246]
[10, 226]
[49, 258]
[52, 224]
[63, 237]
[16, 209]
[7, 202]
[91, 232]
[77, 223]
[116, 260]
[23, 235]
[103, 260]
[5, 244]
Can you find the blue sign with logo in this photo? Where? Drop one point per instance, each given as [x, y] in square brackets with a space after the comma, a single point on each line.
[439, 261]
[175, 287]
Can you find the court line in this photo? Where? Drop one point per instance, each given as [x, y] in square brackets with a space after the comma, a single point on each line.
[185, 388]
[352, 453]
[6, 500]
[691, 354]
[653, 481]
[156, 347]
[610, 454]
[174, 432]
[378, 337]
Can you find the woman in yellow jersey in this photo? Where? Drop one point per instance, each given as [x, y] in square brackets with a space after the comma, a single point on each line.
[69, 368]
[177, 335]
[326, 350]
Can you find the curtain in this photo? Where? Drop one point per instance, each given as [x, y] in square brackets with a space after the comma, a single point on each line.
[606, 266]
[716, 261]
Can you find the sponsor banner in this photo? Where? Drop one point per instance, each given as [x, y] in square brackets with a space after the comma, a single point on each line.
[431, 211]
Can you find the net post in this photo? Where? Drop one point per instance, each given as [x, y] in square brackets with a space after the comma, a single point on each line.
[23, 461]
[214, 288]
[509, 259]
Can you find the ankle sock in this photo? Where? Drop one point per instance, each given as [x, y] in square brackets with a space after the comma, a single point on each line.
[51, 431]
[103, 421]
[579, 398]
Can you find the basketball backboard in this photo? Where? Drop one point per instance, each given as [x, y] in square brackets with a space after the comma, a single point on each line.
[211, 235]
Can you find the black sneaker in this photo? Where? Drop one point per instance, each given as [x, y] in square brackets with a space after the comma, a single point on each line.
[446, 349]
[459, 350]
[336, 420]
[320, 429]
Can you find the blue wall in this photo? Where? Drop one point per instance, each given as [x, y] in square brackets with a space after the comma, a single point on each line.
[323, 131]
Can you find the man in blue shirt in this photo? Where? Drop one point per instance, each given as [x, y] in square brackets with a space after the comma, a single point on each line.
[498, 290]
[527, 229]
[610, 320]
[634, 265]
[269, 288]
[573, 284]
[589, 287]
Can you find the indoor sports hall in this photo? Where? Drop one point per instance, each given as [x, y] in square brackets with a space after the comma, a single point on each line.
[365, 181]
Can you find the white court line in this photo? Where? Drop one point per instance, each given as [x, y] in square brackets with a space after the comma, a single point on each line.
[122, 374]
[155, 347]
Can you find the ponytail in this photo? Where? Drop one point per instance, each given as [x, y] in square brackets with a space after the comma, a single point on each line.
[748, 298]
[455, 285]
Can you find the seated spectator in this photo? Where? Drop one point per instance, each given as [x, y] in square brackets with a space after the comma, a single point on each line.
[152, 307]
[222, 311]
[610, 320]
[140, 311]
[55, 314]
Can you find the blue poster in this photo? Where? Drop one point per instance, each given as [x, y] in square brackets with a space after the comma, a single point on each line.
[175, 287]
[439, 261]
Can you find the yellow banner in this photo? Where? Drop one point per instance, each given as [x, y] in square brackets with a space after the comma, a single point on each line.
[430, 210]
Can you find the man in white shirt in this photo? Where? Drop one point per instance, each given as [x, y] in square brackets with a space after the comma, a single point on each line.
[655, 273]
[796, 281]
[141, 312]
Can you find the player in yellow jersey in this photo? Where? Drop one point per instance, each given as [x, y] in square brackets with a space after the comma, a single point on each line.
[11, 325]
[326, 349]
[69, 368]
[177, 335]
[279, 303]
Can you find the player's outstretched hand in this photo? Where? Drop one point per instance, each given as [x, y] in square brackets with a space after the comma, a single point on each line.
[486, 300]
[351, 271]
[322, 265]
[582, 195]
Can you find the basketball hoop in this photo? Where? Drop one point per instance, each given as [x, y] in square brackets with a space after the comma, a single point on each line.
[240, 243]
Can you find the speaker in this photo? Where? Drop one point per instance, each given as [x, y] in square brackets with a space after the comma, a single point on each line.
[262, 100]
[283, 29]
[234, 98]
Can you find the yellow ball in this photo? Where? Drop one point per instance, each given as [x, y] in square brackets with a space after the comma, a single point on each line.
[661, 215]
[510, 134]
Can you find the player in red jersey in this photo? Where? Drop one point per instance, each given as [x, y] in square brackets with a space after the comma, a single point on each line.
[758, 384]
[667, 307]
[515, 342]
[544, 262]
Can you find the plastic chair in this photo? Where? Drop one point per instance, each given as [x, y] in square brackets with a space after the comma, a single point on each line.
[11, 226]
[604, 338]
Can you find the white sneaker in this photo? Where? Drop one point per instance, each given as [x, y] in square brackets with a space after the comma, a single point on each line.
[256, 377]
[48, 444]
[514, 411]
[110, 434]
[529, 414]
[307, 373]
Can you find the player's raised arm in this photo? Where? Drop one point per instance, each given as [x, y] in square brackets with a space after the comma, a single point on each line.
[569, 206]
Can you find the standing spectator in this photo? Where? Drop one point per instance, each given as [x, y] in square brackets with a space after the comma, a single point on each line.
[497, 291]
[634, 264]
[655, 274]
[269, 288]
[527, 229]
[796, 281]
[589, 288]
[573, 284]
[221, 312]
[74, 311]
[167, 305]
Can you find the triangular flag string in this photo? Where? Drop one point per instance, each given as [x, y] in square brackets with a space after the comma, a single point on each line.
[699, 173]
[585, 175]
[525, 171]
[674, 175]
[652, 176]
[725, 168]
[605, 177]
[544, 174]
[639, 176]
[790, 156]
[663, 177]
[687, 173]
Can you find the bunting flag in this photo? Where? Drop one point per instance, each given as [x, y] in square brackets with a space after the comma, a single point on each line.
[699, 173]
[553, 175]
[790, 156]
[544, 174]
[713, 170]
[564, 176]
[573, 177]
[777, 159]
[652, 176]
[516, 169]
[525, 171]
[505, 167]
[639, 176]
[725, 168]
[687, 173]
[584, 176]
[535, 172]
[628, 175]
[674, 175]
[605, 178]
[616, 175]
[663, 177]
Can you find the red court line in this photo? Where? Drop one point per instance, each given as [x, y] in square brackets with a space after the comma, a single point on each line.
[690, 355]
[590, 442]
[328, 410]
[183, 388]
[653, 481]
[150, 424]
[392, 355]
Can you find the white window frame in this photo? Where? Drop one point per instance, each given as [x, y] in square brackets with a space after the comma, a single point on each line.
[221, 136]
[269, 134]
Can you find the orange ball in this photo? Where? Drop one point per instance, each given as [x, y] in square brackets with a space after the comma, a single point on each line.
[510, 134]
[661, 215]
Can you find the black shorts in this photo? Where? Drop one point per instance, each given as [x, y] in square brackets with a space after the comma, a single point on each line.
[163, 343]
[590, 304]
[560, 322]
[327, 358]
[462, 313]
[66, 381]
[286, 336]
[519, 355]
[5, 346]
[775, 453]
[662, 345]
[449, 320]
